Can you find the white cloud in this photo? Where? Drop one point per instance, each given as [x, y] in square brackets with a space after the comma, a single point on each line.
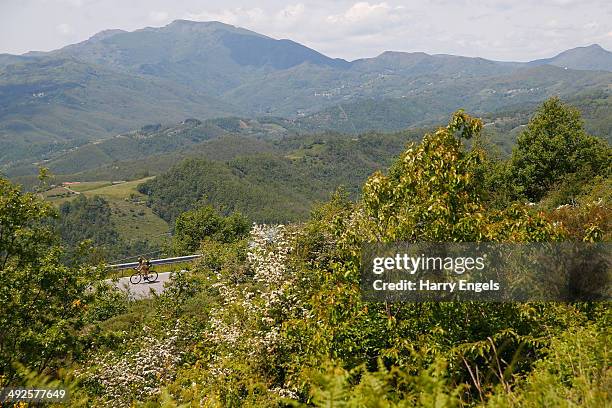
[158, 16]
[235, 16]
[292, 12]
[565, 2]
[65, 29]
[361, 11]
[74, 3]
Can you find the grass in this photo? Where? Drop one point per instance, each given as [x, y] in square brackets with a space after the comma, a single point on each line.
[118, 190]
[58, 195]
[89, 185]
[133, 219]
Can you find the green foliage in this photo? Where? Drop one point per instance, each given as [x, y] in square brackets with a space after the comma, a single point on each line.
[277, 318]
[192, 227]
[431, 190]
[383, 388]
[87, 219]
[278, 186]
[575, 372]
[41, 299]
[294, 304]
[88, 230]
[109, 303]
[555, 149]
[22, 233]
[432, 193]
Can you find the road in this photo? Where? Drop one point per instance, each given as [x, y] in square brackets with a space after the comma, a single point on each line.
[143, 289]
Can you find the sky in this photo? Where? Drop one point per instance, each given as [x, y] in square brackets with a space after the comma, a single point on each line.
[511, 30]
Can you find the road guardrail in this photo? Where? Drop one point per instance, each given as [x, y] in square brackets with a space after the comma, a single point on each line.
[162, 261]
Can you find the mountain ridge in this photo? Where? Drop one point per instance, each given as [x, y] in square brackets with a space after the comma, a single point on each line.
[590, 57]
[191, 25]
[117, 81]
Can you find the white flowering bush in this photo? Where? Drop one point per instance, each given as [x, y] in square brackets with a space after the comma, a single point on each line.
[245, 326]
[135, 374]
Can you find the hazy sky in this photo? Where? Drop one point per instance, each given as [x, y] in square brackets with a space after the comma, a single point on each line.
[496, 29]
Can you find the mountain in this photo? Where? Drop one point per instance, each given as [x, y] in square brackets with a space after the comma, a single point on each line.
[420, 63]
[154, 148]
[520, 90]
[7, 59]
[205, 55]
[48, 104]
[592, 57]
[54, 102]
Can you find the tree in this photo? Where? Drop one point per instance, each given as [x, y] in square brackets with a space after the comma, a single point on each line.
[192, 227]
[22, 234]
[87, 218]
[555, 148]
[88, 231]
[41, 299]
[304, 307]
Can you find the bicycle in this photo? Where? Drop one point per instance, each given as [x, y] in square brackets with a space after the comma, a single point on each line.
[150, 276]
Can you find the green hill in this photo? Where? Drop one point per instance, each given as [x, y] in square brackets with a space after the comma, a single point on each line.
[279, 185]
[132, 220]
[51, 104]
[154, 140]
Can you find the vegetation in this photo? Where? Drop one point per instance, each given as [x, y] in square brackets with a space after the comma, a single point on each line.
[555, 151]
[42, 300]
[277, 186]
[276, 317]
[88, 219]
[106, 221]
[193, 227]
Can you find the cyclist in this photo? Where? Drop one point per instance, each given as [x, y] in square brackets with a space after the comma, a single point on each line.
[144, 272]
[143, 266]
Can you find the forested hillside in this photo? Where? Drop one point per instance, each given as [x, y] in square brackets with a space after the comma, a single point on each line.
[283, 184]
[392, 114]
[278, 186]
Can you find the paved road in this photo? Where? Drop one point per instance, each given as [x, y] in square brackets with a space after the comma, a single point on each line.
[143, 289]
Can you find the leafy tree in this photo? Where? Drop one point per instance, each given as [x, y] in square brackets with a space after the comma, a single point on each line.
[41, 299]
[87, 218]
[192, 227]
[301, 307]
[554, 148]
[280, 316]
[22, 233]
